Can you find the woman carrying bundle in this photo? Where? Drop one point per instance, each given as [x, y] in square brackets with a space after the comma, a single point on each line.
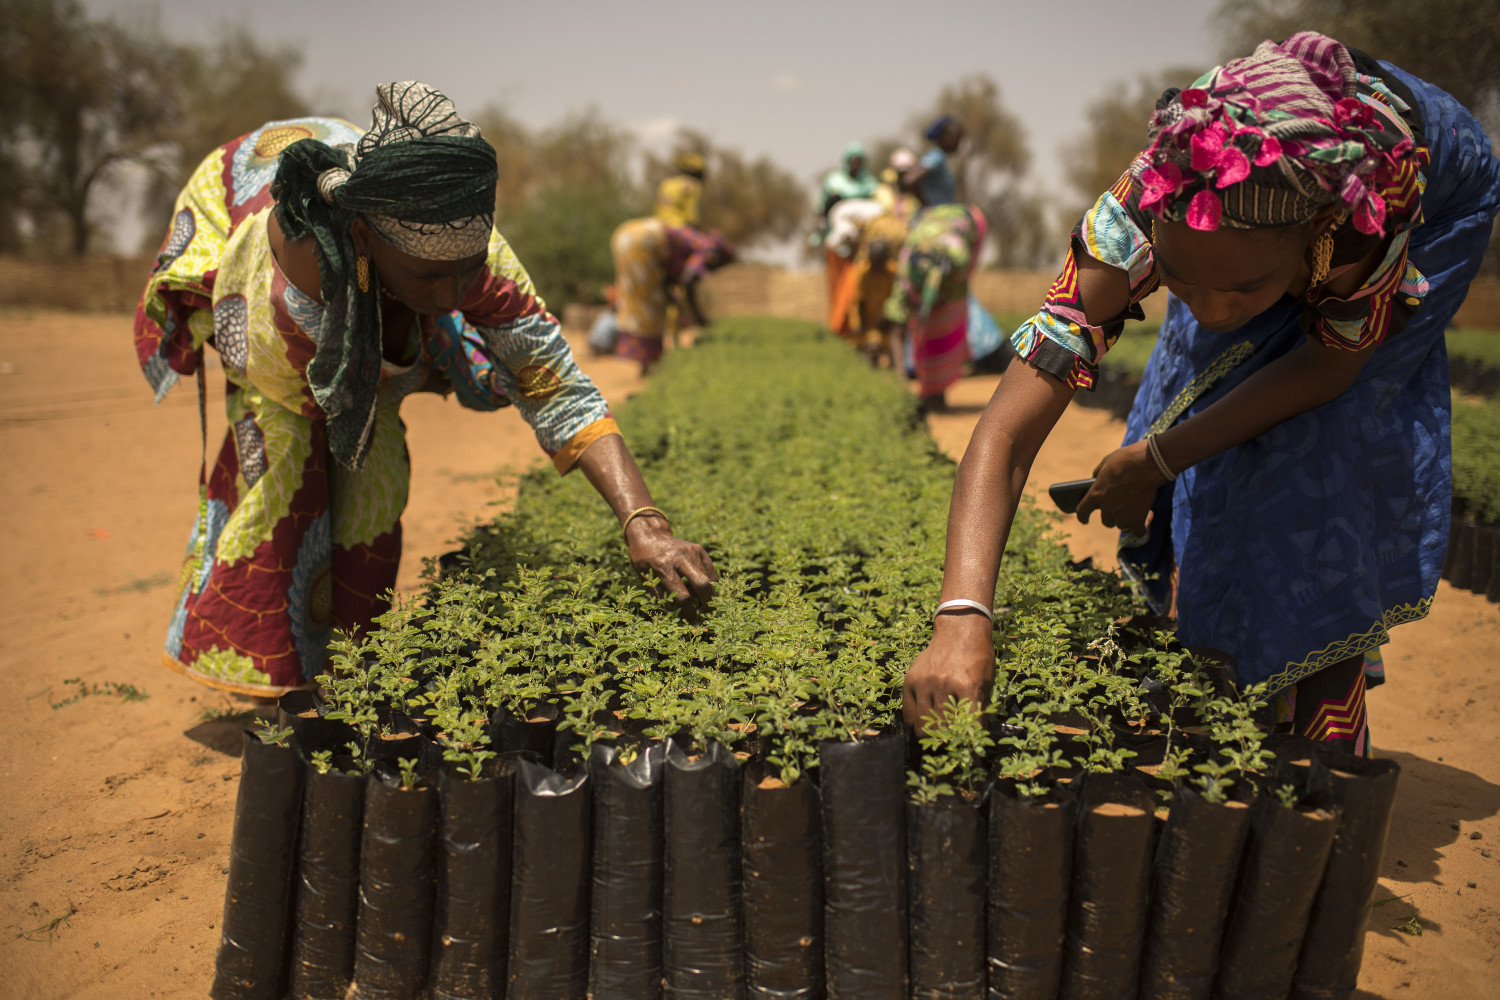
[1317, 216]
[336, 272]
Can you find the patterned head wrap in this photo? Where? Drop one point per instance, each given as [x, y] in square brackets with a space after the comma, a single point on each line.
[425, 181]
[1269, 139]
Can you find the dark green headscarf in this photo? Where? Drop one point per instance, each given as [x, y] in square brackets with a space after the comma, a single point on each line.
[421, 177]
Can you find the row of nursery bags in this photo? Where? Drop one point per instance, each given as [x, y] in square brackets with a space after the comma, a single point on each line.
[694, 877]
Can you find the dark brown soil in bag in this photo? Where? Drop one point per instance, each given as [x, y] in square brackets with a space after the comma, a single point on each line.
[1107, 906]
[394, 938]
[549, 895]
[1192, 880]
[864, 868]
[252, 958]
[1334, 945]
[947, 852]
[702, 953]
[625, 926]
[473, 879]
[327, 885]
[1282, 869]
[1030, 868]
[782, 856]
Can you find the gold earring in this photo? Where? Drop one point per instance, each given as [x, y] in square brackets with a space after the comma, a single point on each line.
[362, 272]
[1322, 252]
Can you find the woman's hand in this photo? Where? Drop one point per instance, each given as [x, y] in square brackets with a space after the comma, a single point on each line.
[1125, 485]
[685, 570]
[959, 662]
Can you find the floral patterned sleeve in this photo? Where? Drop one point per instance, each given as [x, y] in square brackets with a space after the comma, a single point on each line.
[534, 366]
[1059, 339]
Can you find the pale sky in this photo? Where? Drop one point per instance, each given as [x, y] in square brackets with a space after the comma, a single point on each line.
[792, 80]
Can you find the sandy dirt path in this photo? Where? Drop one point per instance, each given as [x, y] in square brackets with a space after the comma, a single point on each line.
[115, 815]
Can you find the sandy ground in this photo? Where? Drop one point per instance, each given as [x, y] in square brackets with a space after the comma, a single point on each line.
[115, 815]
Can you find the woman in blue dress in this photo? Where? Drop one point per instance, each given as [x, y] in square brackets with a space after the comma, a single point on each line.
[1317, 216]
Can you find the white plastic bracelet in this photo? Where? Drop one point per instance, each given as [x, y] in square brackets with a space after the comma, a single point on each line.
[964, 602]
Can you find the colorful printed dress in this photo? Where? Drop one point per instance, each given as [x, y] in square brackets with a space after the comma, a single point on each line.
[650, 258]
[931, 294]
[1300, 549]
[288, 543]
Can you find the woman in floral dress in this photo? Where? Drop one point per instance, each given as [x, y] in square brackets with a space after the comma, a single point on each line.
[335, 272]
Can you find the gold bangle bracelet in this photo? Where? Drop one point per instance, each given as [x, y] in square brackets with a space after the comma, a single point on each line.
[644, 512]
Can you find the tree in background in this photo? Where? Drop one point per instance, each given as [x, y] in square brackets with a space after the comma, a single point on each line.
[1116, 133]
[84, 98]
[749, 201]
[562, 192]
[220, 93]
[1452, 43]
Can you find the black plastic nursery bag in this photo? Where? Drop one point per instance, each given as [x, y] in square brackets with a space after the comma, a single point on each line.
[549, 896]
[327, 885]
[702, 952]
[625, 925]
[1192, 882]
[538, 735]
[252, 959]
[394, 939]
[864, 868]
[473, 883]
[782, 857]
[1107, 904]
[946, 872]
[1334, 944]
[1283, 867]
[1030, 869]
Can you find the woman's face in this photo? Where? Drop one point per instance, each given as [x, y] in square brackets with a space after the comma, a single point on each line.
[1229, 276]
[428, 287]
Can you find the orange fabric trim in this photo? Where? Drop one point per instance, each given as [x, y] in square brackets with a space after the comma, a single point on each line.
[249, 690]
[567, 458]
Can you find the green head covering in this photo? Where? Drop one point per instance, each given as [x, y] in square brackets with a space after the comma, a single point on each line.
[425, 181]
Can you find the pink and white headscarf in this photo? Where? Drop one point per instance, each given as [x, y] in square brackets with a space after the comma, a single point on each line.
[1269, 139]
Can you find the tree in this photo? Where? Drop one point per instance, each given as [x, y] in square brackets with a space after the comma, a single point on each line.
[1116, 133]
[221, 92]
[1452, 43]
[85, 98]
[562, 192]
[749, 201]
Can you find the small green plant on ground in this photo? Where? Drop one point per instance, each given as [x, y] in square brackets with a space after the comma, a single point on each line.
[108, 689]
[49, 928]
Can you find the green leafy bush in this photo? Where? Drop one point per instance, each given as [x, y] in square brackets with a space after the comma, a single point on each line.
[813, 483]
[1476, 457]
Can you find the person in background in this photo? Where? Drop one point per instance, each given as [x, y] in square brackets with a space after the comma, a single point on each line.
[654, 264]
[678, 196]
[851, 181]
[892, 198]
[930, 299]
[336, 271]
[862, 298]
[1285, 484]
[846, 223]
[932, 180]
